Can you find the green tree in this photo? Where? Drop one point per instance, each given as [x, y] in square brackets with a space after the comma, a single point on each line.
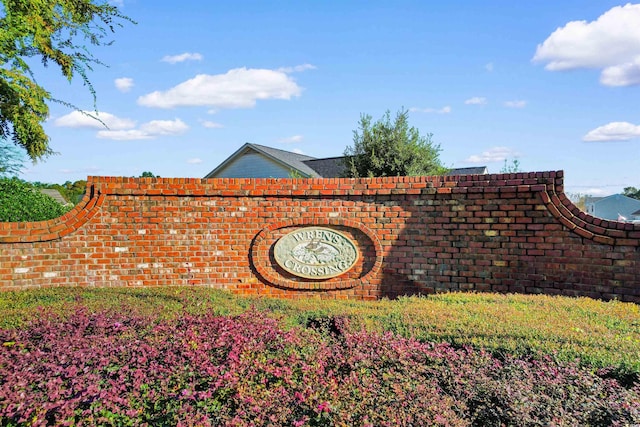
[579, 199]
[632, 192]
[71, 191]
[511, 168]
[51, 31]
[295, 174]
[148, 174]
[391, 148]
[11, 159]
[75, 190]
[21, 201]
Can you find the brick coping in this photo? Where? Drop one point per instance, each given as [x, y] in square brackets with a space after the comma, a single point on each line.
[549, 186]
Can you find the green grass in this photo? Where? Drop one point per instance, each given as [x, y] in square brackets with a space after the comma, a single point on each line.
[596, 333]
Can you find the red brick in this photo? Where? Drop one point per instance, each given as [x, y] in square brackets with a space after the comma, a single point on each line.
[412, 223]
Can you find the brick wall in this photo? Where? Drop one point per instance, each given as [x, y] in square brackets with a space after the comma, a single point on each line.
[504, 233]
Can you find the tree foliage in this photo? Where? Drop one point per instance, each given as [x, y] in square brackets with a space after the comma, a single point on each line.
[579, 199]
[21, 201]
[71, 191]
[11, 159]
[391, 148]
[512, 167]
[632, 192]
[52, 31]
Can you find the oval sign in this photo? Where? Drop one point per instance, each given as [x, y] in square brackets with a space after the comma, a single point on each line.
[316, 253]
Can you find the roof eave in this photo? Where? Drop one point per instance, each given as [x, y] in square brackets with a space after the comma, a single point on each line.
[229, 159]
[246, 147]
[280, 162]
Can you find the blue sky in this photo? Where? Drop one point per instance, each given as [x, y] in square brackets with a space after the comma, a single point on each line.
[554, 85]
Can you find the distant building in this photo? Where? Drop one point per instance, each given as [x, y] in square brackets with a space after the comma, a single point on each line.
[55, 195]
[476, 170]
[259, 161]
[616, 207]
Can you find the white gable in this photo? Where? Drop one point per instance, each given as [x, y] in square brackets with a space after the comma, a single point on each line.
[252, 165]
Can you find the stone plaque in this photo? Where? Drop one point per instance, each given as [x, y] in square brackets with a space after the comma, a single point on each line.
[316, 253]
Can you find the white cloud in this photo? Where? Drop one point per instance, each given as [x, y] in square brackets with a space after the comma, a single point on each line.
[494, 154]
[515, 104]
[85, 119]
[611, 43]
[187, 56]
[489, 67]
[297, 68]
[149, 130]
[194, 161]
[614, 131]
[121, 129]
[476, 100]
[627, 74]
[291, 139]
[444, 110]
[297, 151]
[164, 127]
[238, 88]
[124, 84]
[123, 135]
[211, 125]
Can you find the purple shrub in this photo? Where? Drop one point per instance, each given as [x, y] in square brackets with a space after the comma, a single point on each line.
[112, 369]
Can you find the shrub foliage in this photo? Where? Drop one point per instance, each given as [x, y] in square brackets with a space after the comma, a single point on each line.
[19, 201]
[597, 333]
[106, 368]
[387, 148]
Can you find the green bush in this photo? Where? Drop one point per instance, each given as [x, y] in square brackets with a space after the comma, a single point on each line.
[20, 201]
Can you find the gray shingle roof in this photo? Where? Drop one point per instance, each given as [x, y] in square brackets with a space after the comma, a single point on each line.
[54, 194]
[614, 206]
[288, 159]
[475, 170]
[294, 160]
[331, 167]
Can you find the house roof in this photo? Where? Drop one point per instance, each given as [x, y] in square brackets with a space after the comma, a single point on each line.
[288, 159]
[593, 199]
[615, 198]
[329, 167]
[614, 206]
[475, 170]
[55, 195]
